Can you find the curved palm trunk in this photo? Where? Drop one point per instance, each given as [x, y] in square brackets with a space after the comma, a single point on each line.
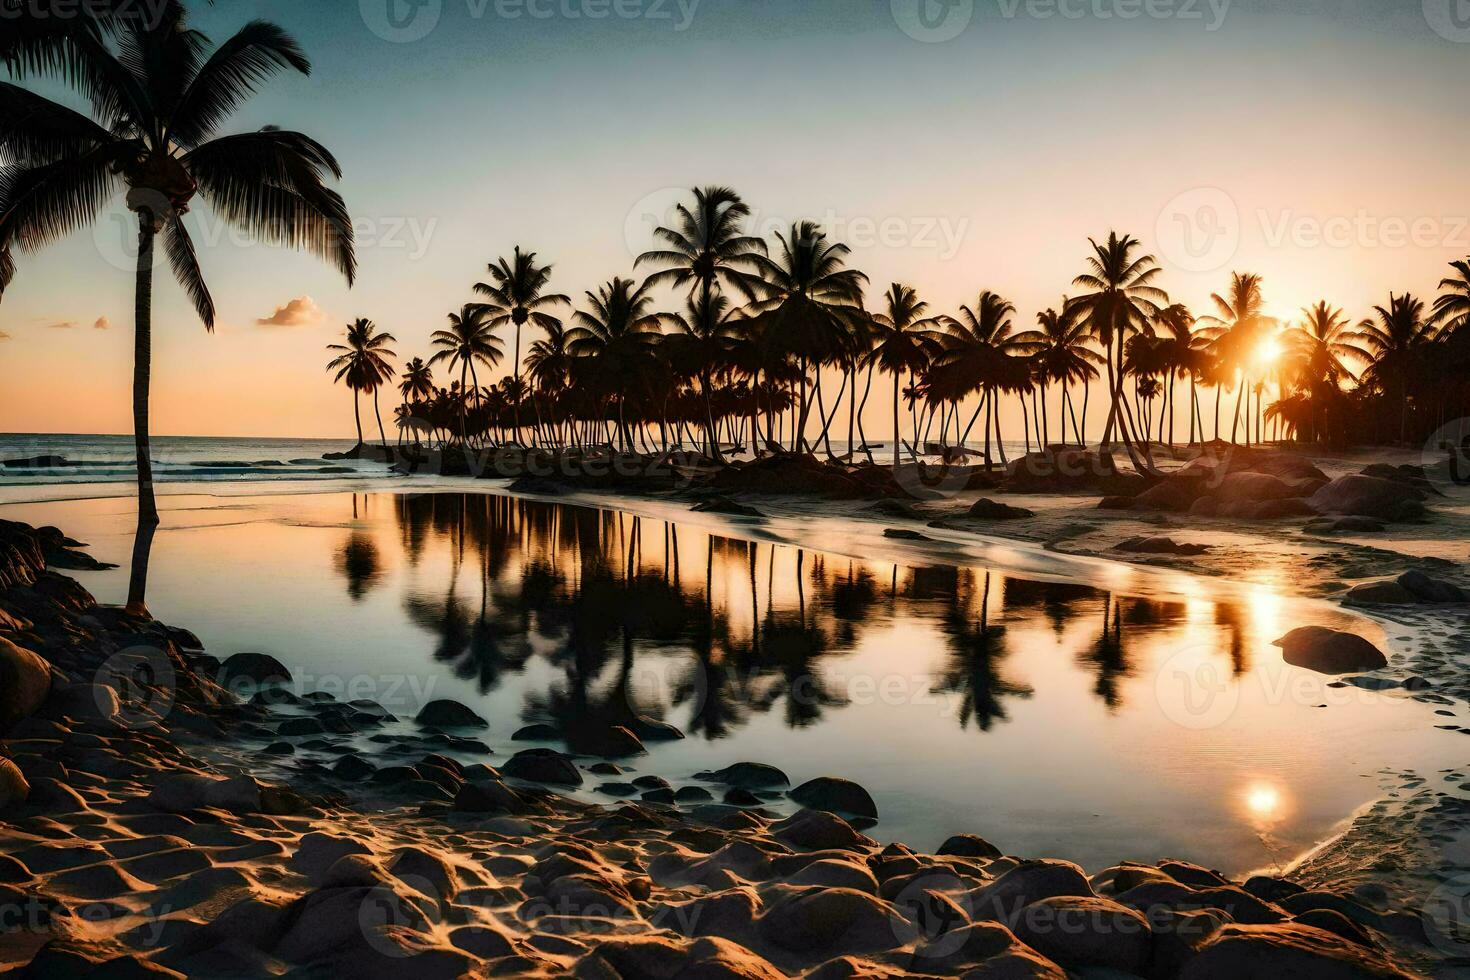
[382, 436]
[517, 436]
[142, 381]
[357, 413]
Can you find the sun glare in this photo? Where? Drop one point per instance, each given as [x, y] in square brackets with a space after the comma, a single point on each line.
[1269, 352]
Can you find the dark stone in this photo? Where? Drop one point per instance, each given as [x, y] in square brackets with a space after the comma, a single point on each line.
[542, 766]
[990, 510]
[747, 775]
[449, 714]
[1329, 651]
[836, 796]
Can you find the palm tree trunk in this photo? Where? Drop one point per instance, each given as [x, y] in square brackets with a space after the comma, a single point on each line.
[142, 381]
[382, 436]
[518, 384]
[357, 413]
[896, 443]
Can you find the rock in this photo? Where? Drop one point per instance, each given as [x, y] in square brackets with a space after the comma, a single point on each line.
[183, 792]
[1241, 952]
[1361, 496]
[835, 795]
[724, 505]
[542, 766]
[25, 682]
[1428, 589]
[1205, 507]
[294, 727]
[889, 507]
[818, 830]
[536, 733]
[489, 797]
[1171, 495]
[14, 790]
[1028, 882]
[1159, 545]
[692, 794]
[986, 509]
[740, 796]
[353, 767]
[1385, 593]
[318, 852]
[1253, 486]
[748, 775]
[258, 669]
[1115, 502]
[1069, 471]
[615, 742]
[485, 942]
[449, 714]
[1329, 651]
[969, 845]
[1086, 932]
[904, 534]
[818, 921]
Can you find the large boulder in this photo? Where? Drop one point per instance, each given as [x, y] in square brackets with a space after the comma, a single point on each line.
[836, 796]
[1383, 593]
[25, 681]
[1242, 952]
[183, 792]
[1069, 471]
[255, 669]
[1028, 882]
[1081, 933]
[1363, 496]
[1253, 486]
[449, 714]
[1428, 589]
[542, 766]
[1329, 651]
[747, 775]
[821, 921]
[1170, 495]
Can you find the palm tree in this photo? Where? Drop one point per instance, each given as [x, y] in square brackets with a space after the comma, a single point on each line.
[159, 103]
[707, 247]
[1452, 306]
[904, 339]
[1063, 355]
[363, 363]
[980, 352]
[517, 296]
[813, 306]
[1123, 299]
[706, 333]
[616, 336]
[1242, 325]
[417, 381]
[1395, 341]
[470, 340]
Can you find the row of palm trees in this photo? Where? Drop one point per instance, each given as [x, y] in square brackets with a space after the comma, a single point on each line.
[764, 328]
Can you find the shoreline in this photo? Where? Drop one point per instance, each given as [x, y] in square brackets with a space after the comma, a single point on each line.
[760, 897]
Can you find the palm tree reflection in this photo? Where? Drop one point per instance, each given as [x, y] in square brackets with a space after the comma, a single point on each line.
[977, 649]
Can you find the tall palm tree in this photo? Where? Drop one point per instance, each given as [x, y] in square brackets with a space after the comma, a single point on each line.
[981, 352]
[616, 336]
[1122, 300]
[904, 339]
[470, 340]
[813, 305]
[1395, 338]
[1243, 324]
[1063, 355]
[159, 102]
[517, 295]
[363, 362]
[707, 247]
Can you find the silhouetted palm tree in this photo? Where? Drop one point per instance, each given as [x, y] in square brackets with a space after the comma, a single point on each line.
[363, 364]
[1395, 339]
[1452, 306]
[1063, 355]
[813, 306]
[1123, 300]
[707, 247]
[616, 336]
[981, 353]
[1243, 325]
[470, 340]
[160, 102]
[904, 339]
[517, 295]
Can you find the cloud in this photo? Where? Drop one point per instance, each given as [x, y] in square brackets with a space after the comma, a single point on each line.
[4, 336]
[61, 324]
[300, 312]
[102, 323]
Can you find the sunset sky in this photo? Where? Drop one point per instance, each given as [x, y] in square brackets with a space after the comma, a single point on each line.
[1320, 141]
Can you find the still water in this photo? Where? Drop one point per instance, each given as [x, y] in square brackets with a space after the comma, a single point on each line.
[1052, 717]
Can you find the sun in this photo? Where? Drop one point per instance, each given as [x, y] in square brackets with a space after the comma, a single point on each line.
[1269, 352]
